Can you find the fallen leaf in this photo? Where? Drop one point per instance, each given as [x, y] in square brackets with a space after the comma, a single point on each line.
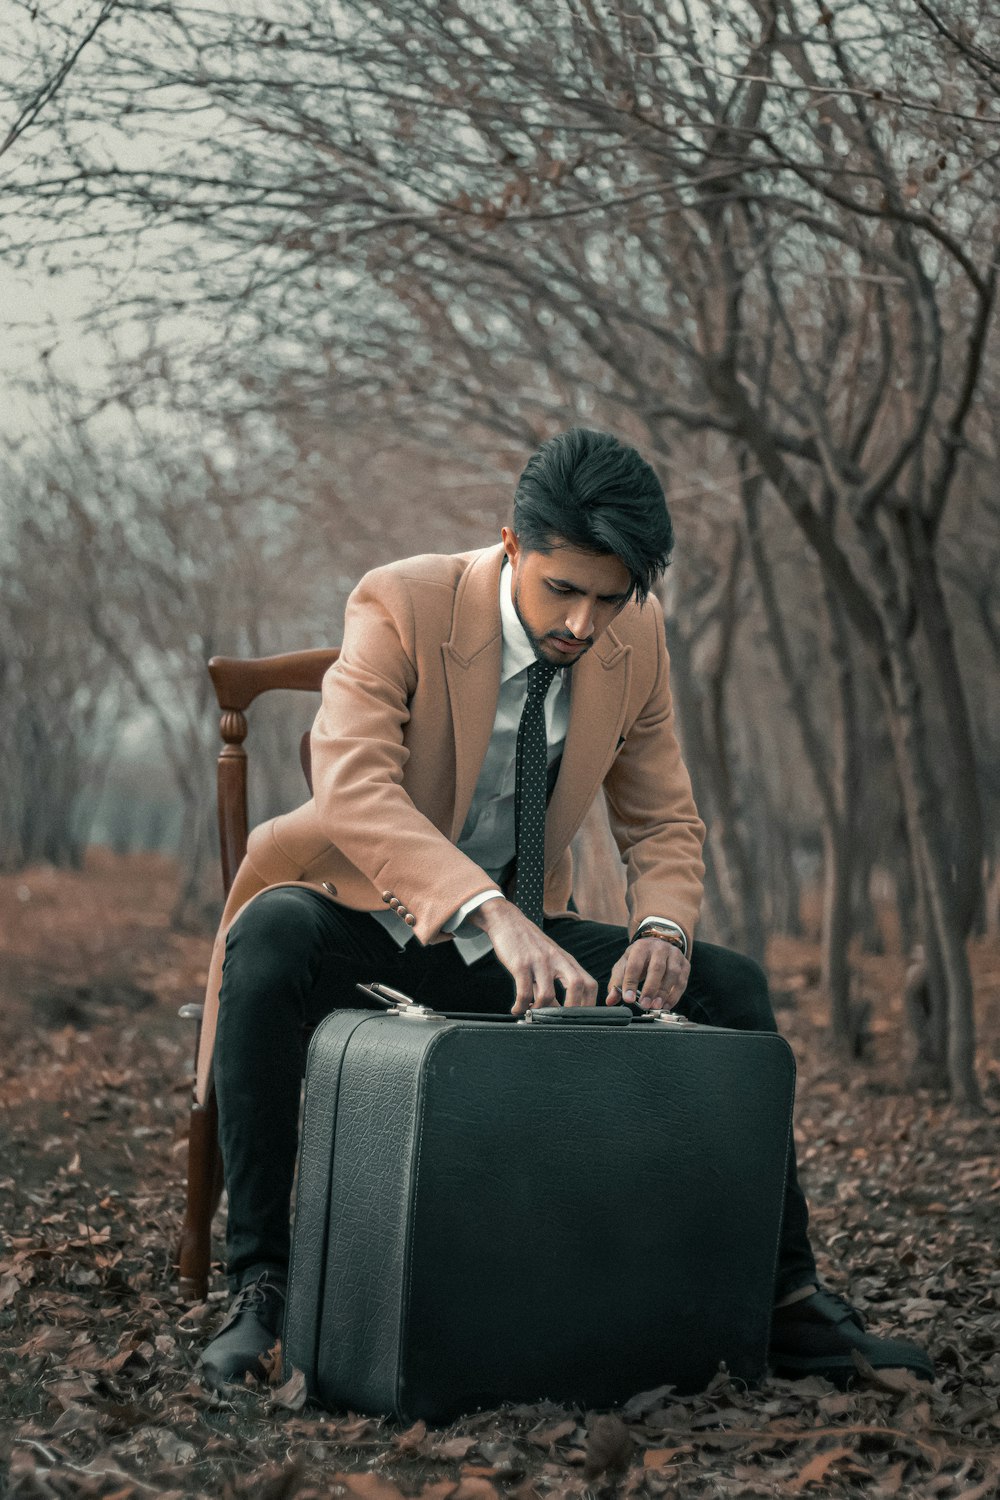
[659, 1458]
[196, 1315]
[368, 1486]
[438, 1489]
[354, 1429]
[410, 1440]
[471, 1488]
[273, 1364]
[172, 1448]
[836, 1405]
[988, 1487]
[77, 1389]
[451, 1448]
[901, 1382]
[129, 1361]
[506, 1459]
[646, 1401]
[273, 1483]
[292, 1395]
[817, 1468]
[75, 1418]
[547, 1437]
[890, 1481]
[10, 1285]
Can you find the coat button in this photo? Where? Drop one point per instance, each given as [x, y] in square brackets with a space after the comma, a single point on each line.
[328, 886]
[410, 919]
[387, 897]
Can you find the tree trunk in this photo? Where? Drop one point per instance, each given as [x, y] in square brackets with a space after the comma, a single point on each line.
[991, 902]
[194, 852]
[840, 833]
[921, 805]
[961, 778]
[924, 999]
[734, 865]
[836, 792]
[878, 615]
[690, 722]
[737, 913]
[835, 935]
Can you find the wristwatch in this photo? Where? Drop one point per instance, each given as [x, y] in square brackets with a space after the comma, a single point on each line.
[665, 934]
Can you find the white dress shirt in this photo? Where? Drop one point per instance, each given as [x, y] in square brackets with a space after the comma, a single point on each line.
[487, 835]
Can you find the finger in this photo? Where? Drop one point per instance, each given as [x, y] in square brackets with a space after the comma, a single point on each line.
[656, 982]
[635, 970]
[524, 991]
[675, 982]
[655, 979]
[575, 983]
[543, 981]
[615, 978]
[655, 996]
[677, 974]
[581, 989]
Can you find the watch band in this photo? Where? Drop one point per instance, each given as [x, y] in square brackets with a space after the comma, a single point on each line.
[665, 935]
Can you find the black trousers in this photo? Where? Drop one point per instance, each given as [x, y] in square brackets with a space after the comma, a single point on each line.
[293, 956]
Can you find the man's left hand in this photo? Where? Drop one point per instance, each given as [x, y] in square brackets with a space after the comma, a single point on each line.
[658, 969]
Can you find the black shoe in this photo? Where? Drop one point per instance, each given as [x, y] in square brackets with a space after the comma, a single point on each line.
[819, 1334]
[250, 1330]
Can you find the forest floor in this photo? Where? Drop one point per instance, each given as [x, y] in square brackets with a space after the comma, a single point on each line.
[98, 1395]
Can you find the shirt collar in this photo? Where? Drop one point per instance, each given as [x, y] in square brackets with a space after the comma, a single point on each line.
[517, 652]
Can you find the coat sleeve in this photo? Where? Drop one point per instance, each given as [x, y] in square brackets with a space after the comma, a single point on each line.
[359, 754]
[652, 811]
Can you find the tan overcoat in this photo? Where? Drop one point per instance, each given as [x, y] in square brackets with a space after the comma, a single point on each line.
[404, 724]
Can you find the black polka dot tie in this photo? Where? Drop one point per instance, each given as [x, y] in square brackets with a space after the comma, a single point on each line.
[529, 794]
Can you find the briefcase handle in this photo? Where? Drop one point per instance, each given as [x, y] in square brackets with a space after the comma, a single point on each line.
[549, 1015]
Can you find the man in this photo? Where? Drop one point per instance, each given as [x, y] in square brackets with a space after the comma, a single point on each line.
[478, 704]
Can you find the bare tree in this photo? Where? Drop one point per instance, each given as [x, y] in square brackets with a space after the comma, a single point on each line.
[59, 705]
[771, 224]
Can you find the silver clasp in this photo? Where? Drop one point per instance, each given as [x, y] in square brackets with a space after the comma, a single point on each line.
[398, 1004]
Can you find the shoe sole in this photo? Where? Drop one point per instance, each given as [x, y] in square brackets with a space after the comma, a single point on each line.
[839, 1369]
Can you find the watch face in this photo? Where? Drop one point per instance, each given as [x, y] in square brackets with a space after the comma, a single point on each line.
[666, 937]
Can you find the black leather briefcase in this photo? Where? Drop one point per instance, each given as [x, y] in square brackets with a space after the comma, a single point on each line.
[577, 1207]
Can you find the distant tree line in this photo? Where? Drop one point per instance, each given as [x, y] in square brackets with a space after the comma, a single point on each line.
[757, 239]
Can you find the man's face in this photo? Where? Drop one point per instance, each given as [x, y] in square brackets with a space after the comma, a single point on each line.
[566, 598]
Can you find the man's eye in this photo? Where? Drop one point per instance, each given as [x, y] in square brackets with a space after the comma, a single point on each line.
[555, 589]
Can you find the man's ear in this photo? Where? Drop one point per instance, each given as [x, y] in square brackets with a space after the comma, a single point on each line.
[510, 544]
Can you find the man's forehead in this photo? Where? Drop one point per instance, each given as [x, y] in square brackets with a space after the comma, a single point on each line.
[591, 572]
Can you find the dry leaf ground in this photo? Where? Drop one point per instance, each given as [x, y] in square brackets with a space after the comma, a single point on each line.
[97, 1354]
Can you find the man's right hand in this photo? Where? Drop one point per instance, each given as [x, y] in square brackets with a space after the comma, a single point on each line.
[534, 961]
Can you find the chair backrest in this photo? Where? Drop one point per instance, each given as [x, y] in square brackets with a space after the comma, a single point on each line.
[238, 681]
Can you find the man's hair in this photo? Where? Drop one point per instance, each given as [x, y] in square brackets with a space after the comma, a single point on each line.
[590, 490]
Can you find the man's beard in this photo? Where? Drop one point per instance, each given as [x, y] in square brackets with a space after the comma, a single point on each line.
[536, 640]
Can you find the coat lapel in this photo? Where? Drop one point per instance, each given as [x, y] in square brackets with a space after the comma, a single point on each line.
[597, 713]
[472, 661]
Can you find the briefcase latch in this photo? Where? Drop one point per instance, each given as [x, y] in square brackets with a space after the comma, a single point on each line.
[398, 1004]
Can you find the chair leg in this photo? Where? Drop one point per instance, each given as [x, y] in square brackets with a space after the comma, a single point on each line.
[204, 1190]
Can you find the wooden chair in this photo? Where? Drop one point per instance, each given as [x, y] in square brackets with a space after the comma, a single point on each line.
[238, 682]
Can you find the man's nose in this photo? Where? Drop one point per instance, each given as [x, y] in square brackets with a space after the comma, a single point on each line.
[580, 620]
